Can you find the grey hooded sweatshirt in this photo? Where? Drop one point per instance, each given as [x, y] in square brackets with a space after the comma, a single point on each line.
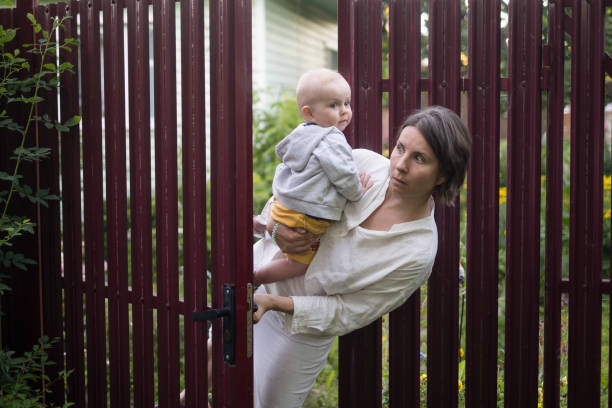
[317, 174]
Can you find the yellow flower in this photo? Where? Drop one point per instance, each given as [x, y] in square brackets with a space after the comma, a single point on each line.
[423, 378]
[464, 59]
[502, 195]
[461, 352]
[607, 213]
[607, 182]
[460, 385]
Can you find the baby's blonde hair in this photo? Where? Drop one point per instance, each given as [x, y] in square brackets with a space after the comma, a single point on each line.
[311, 82]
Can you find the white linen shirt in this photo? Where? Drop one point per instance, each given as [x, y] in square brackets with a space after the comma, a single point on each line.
[357, 274]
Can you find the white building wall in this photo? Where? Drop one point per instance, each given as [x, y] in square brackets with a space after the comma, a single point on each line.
[298, 37]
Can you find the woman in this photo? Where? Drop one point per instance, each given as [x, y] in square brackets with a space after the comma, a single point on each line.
[367, 264]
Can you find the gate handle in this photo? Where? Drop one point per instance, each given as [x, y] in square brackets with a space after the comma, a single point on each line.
[228, 313]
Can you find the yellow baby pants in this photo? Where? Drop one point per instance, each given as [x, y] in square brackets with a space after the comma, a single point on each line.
[295, 219]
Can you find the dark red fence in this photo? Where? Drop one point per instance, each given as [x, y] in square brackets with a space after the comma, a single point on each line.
[119, 305]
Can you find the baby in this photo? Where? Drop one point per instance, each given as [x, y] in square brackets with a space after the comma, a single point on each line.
[317, 174]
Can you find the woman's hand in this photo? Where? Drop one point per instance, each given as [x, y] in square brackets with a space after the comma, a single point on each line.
[292, 240]
[263, 303]
[366, 183]
[267, 302]
[259, 228]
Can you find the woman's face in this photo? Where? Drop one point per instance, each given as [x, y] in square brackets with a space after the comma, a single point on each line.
[415, 169]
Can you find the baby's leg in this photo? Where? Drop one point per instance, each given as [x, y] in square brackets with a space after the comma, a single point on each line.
[279, 269]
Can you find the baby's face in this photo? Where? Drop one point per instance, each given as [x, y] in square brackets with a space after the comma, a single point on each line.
[333, 105]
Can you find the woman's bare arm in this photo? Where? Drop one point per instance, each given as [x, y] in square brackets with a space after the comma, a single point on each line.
[267, 302]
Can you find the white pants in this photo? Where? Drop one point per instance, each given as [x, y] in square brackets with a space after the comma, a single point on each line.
[285, 366]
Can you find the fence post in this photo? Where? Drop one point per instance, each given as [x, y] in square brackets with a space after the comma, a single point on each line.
[116, 203]
[93, 201]
[483, 203]
[71, 216]
[359, 25]
[140, 202]
[194, 198]
[586, 204]
[232, 205]
[523, 204]
[443, 286]
[404, 97]
[553, 64]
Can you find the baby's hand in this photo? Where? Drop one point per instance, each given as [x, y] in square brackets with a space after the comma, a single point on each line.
[366, 183]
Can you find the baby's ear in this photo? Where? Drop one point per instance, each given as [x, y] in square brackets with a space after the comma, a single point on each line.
[306, 112]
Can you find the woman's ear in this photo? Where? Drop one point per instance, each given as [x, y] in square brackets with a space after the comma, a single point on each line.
[441, 180]
[306, 112]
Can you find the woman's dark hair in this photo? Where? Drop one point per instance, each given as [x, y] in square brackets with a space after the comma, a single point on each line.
[450, 141]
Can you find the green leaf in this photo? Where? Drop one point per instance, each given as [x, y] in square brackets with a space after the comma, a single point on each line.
[73, 121]
[50, 67]
[31, 17]
[66, 65]
[33, 99]
[9, 177]
[30, 154]
[9, 35]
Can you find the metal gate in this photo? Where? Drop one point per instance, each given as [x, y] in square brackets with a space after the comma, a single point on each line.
[107, 299]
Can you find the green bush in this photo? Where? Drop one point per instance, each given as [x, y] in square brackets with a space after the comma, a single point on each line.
[23, 379]
[270, 126]
[20, 377]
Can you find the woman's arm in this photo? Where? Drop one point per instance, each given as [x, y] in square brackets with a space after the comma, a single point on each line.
[341, 314]
[267, 302]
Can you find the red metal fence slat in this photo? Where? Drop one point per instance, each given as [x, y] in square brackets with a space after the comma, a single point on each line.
[523, 205]
[242, 32]
[443, 286]
[483, 210]
[140, 202]
[346, 54]
[71, 215]
[49, 262]
[554, 208]
[231, 174]
[166, 200]
[404, 353]
[360, 380]
[586, 205]
[93, 202]
[404, 97]
[404, 62]
[116, 203]
[363, 71]
[194, 198]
